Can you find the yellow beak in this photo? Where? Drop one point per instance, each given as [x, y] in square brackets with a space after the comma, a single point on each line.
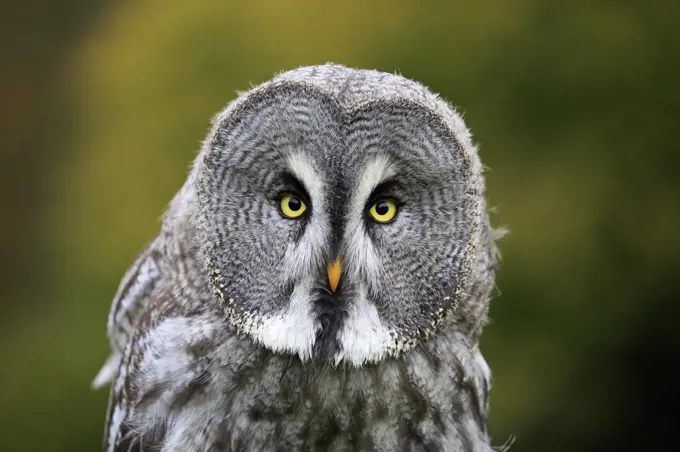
[334, 272]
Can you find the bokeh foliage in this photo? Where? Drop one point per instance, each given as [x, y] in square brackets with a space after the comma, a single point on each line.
[574, 105]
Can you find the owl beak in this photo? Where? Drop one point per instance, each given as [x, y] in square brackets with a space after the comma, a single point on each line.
[334, 272]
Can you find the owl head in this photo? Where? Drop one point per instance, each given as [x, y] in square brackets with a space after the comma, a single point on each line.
[340, 214]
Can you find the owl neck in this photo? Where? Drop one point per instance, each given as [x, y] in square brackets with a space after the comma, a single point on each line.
[434, 397]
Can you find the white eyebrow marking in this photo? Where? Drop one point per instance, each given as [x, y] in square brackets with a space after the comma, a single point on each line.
[375, 172]
[303, 169]
[363, 261]
[303, 258]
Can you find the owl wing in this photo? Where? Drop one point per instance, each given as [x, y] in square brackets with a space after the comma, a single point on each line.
[133, 300]
[130, 301]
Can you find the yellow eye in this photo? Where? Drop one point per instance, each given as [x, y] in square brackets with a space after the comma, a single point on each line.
[383, 211]
[291, 206]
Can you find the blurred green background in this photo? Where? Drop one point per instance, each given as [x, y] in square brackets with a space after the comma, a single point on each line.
[575, 106]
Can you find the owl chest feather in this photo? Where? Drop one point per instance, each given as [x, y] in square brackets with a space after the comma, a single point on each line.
[198, 387]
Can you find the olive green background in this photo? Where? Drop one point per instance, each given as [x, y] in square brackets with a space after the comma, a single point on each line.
[575, 106]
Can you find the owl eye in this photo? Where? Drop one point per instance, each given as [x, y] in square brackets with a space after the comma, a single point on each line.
[291, 206]
[383, 211]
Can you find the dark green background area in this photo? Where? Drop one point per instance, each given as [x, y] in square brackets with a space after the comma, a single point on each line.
[575, 107]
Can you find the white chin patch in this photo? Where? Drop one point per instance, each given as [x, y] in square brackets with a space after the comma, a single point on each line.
[364, 338]
[291, 331]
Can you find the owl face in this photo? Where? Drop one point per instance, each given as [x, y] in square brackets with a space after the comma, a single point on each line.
[337, 226]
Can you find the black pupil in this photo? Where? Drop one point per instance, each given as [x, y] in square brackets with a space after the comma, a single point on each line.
[382, 208]
[294, 204]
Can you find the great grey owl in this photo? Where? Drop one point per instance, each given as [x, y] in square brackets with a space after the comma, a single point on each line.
[320, 282]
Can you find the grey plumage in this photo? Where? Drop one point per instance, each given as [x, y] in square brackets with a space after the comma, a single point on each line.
[226, 335]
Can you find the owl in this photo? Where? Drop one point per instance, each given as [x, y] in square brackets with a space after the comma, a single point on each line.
[319, 283]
